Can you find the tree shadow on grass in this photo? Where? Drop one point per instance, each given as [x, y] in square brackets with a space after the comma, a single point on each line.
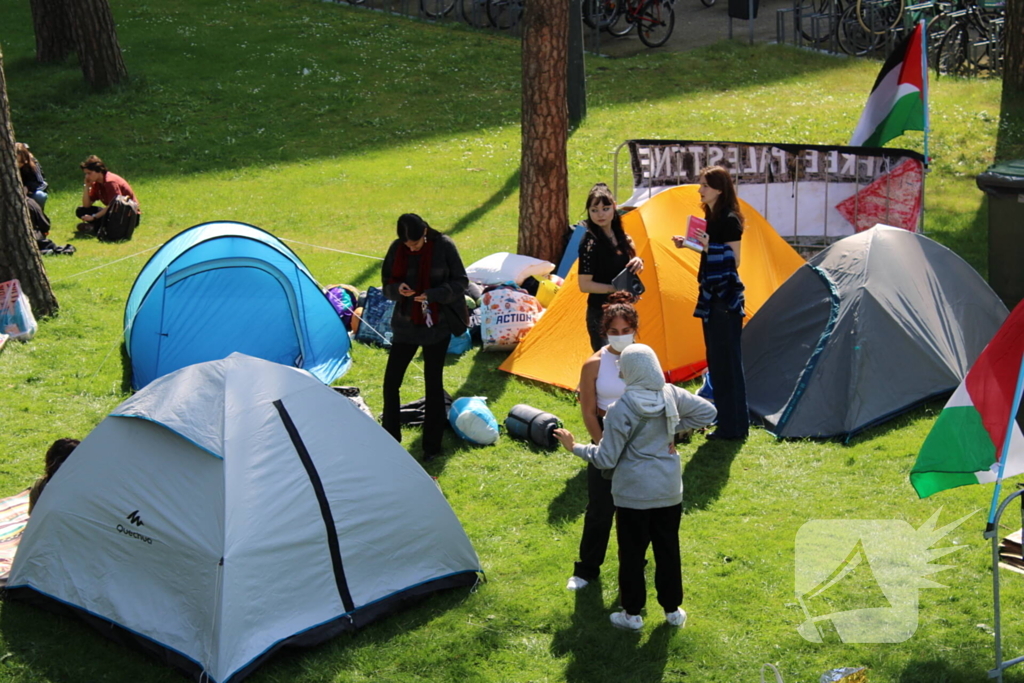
[600, 652]
[1010, 140]
[707, 472]
[217, 87]
[368, 275]
[59, 647]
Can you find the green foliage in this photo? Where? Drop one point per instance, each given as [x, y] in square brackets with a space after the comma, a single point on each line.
[322, 123]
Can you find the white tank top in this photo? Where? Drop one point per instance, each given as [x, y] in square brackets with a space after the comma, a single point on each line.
[609, 385]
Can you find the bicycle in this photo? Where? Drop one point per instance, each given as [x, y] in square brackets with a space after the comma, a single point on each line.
[504, 14]
[857, 26]
[435, 9]
[654, 20]
[474, 12]
[973, 41]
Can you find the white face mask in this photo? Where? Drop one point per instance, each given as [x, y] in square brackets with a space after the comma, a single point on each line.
[620, 341]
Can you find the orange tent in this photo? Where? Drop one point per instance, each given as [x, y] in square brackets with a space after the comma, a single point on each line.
[553, 352]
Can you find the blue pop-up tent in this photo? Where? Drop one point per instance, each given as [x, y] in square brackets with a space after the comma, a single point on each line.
[224, 287]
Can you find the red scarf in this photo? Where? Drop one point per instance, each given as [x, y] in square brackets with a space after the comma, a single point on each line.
[399, 271]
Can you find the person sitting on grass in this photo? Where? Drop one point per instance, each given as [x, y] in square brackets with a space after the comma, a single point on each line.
[647, 485]
[55, 456]
[31, 174]
[103, 186]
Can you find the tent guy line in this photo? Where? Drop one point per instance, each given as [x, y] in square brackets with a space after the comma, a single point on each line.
[125, 258]
[340, 251]
[138, 253]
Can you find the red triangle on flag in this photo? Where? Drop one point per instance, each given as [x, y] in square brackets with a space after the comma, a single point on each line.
[891, 199]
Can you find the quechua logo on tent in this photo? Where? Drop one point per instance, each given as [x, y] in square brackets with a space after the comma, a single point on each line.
[134, 518]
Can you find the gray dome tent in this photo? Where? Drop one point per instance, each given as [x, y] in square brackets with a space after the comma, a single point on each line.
[233, 507]
[872, 326]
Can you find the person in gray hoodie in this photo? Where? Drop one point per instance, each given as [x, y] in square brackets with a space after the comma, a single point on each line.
[647, 483]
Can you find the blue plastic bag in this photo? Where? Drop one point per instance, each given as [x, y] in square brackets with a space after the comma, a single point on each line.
[460, 344]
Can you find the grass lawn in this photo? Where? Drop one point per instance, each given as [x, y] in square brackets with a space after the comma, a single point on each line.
[322, 123]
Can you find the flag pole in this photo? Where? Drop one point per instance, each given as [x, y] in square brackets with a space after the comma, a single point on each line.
[927, 114]
[924, 88]
[1015, 408]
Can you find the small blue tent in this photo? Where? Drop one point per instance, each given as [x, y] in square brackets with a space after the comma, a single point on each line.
[223, 287]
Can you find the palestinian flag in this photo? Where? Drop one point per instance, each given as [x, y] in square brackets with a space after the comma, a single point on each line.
[896, 103]
[966, 442]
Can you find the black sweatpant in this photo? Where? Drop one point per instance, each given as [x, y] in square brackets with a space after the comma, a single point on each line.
[597, 525]
[635, 530]
[433, 374]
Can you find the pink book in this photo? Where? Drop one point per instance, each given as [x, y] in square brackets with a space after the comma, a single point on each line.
[694, 227]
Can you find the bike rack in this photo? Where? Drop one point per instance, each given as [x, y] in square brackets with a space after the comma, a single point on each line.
[780, 25]
[993, 534]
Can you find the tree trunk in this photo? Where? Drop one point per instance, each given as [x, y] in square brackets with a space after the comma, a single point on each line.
[19, 256]
[544, 186]
[52, 24]
[577, 76]
[1013, 60]
[92, 25]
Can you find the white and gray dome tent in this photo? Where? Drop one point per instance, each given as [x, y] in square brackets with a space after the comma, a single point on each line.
[876, 324]
[232, 507]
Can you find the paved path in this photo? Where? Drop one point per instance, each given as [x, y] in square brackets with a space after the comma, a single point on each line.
[696, 25]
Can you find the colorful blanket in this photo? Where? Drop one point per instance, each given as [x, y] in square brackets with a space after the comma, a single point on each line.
[13, 518]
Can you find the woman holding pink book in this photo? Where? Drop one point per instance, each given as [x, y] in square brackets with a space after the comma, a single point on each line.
[720, 300]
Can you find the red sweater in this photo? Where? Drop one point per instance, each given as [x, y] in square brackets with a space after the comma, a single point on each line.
[112, 186]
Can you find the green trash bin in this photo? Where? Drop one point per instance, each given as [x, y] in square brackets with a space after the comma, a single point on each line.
[1004, 185]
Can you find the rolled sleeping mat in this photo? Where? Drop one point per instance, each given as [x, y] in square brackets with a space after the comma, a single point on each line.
[533, 425]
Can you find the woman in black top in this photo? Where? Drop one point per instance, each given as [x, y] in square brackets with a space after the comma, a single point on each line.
[31, 174]
[720, 301]
[605, 251]
[423, 273]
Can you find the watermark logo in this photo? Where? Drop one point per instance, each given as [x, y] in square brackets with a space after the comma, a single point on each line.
[862, 576]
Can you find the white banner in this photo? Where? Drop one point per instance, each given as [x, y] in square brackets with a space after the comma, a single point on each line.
[807, 192]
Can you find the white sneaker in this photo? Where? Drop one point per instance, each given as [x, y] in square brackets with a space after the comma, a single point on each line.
[677, 618]
[629, 622]
[575, 583]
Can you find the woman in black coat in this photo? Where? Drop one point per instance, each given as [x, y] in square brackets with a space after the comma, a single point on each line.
[424, 275]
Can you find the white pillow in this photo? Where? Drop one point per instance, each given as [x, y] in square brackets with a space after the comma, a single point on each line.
[504, 267]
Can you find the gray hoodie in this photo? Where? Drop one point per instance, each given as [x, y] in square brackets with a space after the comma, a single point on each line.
[647, 475]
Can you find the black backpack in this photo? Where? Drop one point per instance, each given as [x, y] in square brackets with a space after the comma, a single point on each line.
[121, 220]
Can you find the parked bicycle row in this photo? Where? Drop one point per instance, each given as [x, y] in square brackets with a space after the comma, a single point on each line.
[653, 20]
[964, 37]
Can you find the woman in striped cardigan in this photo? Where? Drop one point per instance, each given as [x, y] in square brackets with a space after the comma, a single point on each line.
[720, 302]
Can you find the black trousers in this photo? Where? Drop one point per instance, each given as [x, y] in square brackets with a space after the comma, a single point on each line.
[96, 223]
[636, 530]
[595, 316]
[597, 525]
[722, 332]
[433, 374]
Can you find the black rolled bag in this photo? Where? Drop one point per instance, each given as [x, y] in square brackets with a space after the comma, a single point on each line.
[533, 425]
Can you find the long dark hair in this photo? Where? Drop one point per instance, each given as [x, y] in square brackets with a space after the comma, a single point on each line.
[57, 453]
[620, 305]
[718, 178]
[411, 227]
[601, 194]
